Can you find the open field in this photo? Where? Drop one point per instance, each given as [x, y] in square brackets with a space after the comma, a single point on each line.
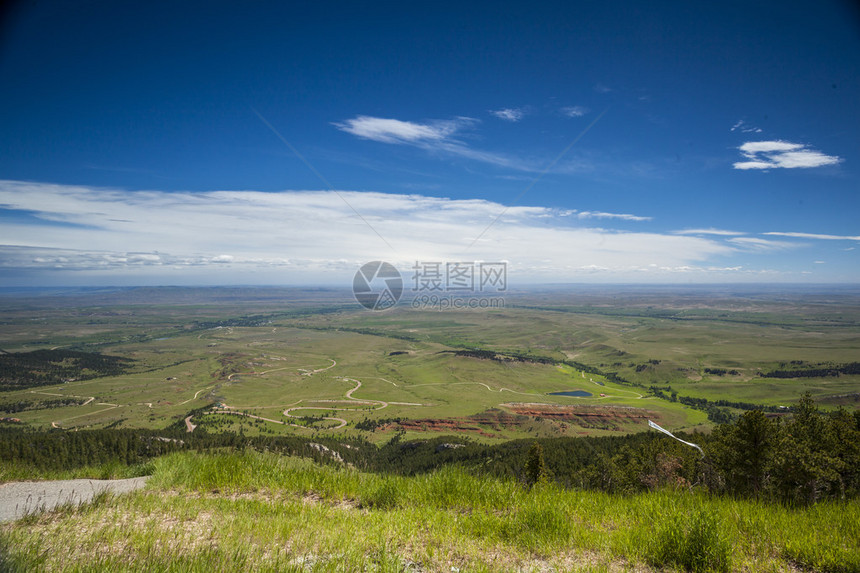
[265, 371]
[299, 361]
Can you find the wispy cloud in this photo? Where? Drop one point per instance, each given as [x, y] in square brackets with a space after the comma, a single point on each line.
[759, 244]
[781, 155]
[720, 232]
[397, 131]
[815, 236]
[575, 111]
[58, 259]
[743, 127]
[438, 136]
[602, 215]
[740, 240]
[229, 237]
[509, 114]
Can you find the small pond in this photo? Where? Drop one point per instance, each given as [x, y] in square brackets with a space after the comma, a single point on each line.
[574, 393]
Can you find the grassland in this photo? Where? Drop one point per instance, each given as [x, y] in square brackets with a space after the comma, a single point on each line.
[329, 365]
[262, 512]
[311, 364]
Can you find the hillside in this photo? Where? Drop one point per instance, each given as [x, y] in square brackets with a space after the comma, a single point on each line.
[262, 512]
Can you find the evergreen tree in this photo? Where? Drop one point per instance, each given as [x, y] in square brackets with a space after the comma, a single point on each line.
[805, 467]
[746, 452]
[536, 470]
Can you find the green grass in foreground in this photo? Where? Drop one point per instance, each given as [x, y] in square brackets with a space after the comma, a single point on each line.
[12, 471]
[262, 512]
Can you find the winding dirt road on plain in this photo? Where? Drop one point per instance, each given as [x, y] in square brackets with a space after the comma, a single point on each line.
[226, 409]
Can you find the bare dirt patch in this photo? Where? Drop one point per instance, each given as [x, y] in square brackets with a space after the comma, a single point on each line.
[457, 425]
[606, 417]
[517, 415]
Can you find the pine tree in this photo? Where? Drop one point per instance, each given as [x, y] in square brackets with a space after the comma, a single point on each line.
[805, 467]
[750, 446]
[536, 470]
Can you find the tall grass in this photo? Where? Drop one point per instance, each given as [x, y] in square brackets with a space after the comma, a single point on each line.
[16, 471]
[264, 512]
[693, 540]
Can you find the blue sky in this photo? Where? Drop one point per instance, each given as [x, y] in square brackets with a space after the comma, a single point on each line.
[288, 143]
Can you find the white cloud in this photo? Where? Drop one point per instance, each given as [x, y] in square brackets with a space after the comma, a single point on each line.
[99, 260]
[769, 146]
[815, 236]
[397, 131]
[574, 111]
[602, 215]
[712, 231]
[509, 114]
[439, 137]
[435, 136]
[781, 155]
[251, 237]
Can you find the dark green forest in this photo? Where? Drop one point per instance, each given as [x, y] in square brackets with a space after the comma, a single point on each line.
[818, 371]
[19, 370]
[12, 407]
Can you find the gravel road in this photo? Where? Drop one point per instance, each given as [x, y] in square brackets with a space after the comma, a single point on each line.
[20, 498]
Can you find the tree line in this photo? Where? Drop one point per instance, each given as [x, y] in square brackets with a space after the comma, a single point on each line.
[803, 458]
[718, 411]
[820, 372]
